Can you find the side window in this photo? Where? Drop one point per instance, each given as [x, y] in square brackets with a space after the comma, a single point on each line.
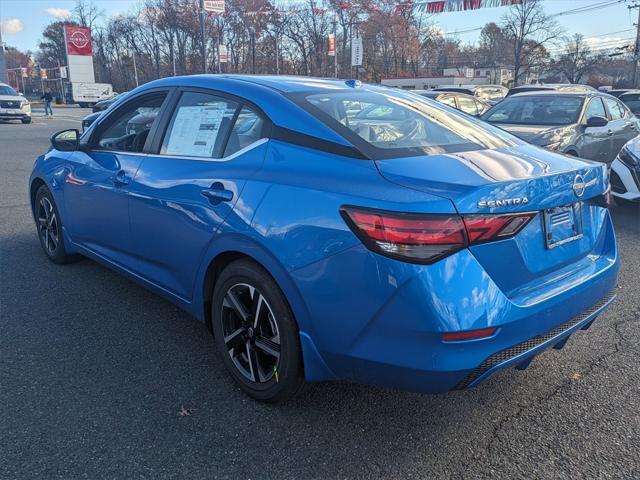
[129, 130]
[614, 109]
[468, 105]
[249, 127]
[198, 126]
[449, 100]
[595, 109]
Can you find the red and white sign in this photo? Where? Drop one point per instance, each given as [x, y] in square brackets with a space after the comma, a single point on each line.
[43, 73]
[224, 54]
[78, 40]
[23, 72]
[332, 45]
[214, 6]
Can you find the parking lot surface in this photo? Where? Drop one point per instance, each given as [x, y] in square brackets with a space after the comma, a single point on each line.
[100, 378]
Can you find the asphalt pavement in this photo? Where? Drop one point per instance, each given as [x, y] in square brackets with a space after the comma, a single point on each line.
[100, 378]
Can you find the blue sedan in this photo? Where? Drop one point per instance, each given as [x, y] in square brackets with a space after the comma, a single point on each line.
[327, 230]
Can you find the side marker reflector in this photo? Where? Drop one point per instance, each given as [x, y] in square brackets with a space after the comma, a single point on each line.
[469, 334]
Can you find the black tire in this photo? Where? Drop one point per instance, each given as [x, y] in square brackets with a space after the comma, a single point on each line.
[248, 346]
[49, 227]
[26, 120]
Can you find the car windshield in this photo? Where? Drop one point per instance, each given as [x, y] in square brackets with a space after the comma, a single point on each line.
[7, 90]
[536, 110]
[387, 124]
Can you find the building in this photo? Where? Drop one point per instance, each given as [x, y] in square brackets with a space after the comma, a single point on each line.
[455, 76]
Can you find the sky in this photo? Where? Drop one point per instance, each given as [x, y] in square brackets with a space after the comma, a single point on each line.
[22, 21]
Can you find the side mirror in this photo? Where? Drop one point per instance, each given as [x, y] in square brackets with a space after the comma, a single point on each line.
[66, 140]
[597, 122]
[21, 94]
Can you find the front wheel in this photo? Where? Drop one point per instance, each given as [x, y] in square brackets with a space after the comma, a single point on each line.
[26, 120]
[256, 333]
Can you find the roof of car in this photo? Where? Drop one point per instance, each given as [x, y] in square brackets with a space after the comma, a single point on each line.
[634, 92]
[558, 93]
[281, 83]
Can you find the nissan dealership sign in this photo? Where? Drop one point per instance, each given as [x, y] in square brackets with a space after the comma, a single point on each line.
[78, 40]
[79, 53]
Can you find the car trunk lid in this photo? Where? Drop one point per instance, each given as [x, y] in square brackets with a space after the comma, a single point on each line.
[519, 179]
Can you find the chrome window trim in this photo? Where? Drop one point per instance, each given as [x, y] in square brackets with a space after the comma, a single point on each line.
[228, 158]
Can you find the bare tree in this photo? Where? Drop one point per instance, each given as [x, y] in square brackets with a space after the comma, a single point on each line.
[528, 29]
[86, 13]
[577, 60]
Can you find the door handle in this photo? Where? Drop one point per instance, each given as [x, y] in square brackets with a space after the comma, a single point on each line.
[121, 178]
[217, 193]
[609, 132]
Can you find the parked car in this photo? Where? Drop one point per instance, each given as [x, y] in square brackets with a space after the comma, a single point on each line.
[460, 101]
[104, 104]
[632, 100]
[625, 172]
[411, 246]
[616, 92]
[13, 106]
[592, 125]
[562, 87]
[89, 119]
[488, 93]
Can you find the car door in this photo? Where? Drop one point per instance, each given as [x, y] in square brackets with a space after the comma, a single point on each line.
[190, 185]
[98, 177]
[622, 127]
[594, 143]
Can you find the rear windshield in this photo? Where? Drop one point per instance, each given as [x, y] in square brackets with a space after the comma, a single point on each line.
[631, 100]
[536, 110]
[7, 90]
[385, 123]
[493, 94]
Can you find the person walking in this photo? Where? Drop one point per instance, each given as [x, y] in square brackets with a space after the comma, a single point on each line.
[48, 99]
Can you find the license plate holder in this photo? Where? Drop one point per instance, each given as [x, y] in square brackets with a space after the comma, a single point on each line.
[562, 224]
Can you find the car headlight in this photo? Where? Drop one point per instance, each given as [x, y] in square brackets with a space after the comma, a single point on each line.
[628, 158]
[24, 103]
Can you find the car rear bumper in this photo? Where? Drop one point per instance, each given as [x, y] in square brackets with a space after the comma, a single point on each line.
[522, 353]
[380, 321]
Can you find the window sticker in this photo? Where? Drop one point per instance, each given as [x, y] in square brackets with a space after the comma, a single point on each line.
[195, 130]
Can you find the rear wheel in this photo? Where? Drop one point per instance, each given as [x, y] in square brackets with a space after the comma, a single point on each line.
[50, 227]
[256, 333]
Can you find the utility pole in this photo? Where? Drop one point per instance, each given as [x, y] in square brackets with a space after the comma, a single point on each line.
[203, 45]
[636, 50]
[3, 65]
[253, 51]
[135, 68]
[335, 46]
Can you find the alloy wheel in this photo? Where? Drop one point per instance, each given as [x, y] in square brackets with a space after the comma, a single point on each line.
[48, 225]
[251, 333]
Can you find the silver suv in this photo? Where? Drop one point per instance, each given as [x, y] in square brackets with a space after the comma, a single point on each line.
[13, 106]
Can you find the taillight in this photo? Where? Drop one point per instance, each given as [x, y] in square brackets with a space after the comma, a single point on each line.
[485, 228]
[426, 238]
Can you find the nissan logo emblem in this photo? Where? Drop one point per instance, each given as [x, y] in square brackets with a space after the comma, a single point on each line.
[578, 185]
[79, 39]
